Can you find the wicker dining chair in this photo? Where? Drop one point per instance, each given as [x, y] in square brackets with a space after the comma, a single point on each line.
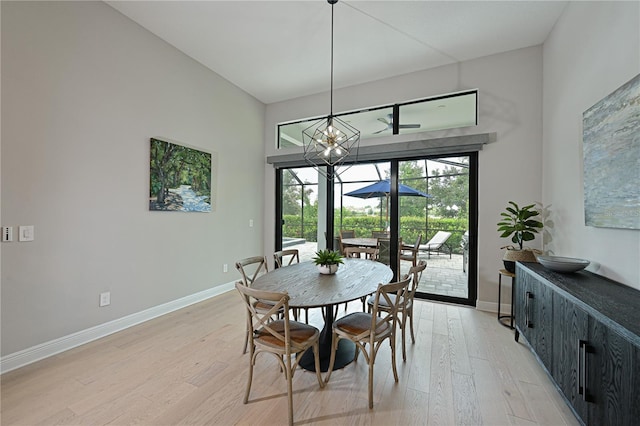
[282, 338]
[405, 310]
[369, 330]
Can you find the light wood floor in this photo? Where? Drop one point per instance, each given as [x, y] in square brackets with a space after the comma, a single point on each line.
[187, 368]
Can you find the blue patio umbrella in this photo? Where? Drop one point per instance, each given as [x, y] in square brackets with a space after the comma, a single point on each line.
[382, 188]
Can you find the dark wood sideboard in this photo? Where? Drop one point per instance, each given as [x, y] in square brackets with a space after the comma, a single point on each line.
[585, 331]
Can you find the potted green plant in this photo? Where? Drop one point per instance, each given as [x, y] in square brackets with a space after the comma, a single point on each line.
[327, 261]
[521, 225]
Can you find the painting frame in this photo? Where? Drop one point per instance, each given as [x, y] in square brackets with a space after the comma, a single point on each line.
[611, 159]
[180, 177]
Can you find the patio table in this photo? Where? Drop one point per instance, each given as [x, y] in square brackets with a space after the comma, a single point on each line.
[360, 242]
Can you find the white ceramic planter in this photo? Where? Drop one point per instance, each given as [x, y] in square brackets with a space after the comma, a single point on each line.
[328, 269]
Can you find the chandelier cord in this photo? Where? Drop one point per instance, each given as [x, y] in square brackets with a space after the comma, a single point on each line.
[331, 91]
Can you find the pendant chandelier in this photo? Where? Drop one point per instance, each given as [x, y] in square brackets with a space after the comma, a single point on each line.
[330, 141]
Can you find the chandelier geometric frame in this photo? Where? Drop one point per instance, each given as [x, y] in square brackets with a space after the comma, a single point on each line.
[331, 140]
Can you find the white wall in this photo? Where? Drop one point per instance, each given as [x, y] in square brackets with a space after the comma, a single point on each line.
[510, 104]
[83, 90]
[593, 49]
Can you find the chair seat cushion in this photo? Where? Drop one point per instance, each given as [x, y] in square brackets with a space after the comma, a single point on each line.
[300, 333]
[359, 322]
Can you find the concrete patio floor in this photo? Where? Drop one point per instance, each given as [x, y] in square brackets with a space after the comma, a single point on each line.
[443, 276]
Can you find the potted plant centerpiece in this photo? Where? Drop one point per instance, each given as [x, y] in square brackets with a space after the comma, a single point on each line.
[327, 261]
[520, 224]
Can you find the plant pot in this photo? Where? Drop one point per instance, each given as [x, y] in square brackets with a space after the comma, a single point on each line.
[512, 255]
[328, 269]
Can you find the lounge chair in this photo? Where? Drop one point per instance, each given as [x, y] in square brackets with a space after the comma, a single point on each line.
[436, 243]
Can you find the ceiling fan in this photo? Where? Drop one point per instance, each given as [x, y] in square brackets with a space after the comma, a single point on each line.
[389, 122]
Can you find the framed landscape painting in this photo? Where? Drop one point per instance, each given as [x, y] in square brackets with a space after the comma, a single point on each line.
[611, 149]
[180, 178]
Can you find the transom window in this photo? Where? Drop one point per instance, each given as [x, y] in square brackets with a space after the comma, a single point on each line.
[435, 113]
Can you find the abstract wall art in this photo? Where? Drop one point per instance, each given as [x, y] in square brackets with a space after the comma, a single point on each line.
[611, 153]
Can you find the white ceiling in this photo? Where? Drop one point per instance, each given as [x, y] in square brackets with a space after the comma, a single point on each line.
[279, 50]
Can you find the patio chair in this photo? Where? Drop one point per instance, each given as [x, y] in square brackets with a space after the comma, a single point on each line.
[410, 253]
[436, 243]
[369, 330]
[361, 252]
[282, 338]
[384, 251]
[379, 234]
[345, 233]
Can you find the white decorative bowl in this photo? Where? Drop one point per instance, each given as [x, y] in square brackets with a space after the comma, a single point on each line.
[328, 269]
[563, 264]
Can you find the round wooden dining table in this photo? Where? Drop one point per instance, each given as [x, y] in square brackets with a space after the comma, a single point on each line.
[307, 288]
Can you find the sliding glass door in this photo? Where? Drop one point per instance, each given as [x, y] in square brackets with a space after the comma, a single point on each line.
[426, 206]
[434, 223]
[300, 212]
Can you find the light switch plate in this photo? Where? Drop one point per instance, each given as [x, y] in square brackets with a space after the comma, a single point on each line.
[25, 233]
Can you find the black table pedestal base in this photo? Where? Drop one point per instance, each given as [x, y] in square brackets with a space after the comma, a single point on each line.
[344, 355]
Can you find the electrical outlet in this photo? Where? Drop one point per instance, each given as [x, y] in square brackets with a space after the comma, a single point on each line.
[105, 298]
[225, 268]
[250, 223]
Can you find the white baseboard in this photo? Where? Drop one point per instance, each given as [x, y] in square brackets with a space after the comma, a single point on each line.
[53, 347]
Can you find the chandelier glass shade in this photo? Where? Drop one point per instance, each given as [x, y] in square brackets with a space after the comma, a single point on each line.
[330, 141]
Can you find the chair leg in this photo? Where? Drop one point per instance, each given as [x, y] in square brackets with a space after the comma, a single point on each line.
[246, 341]
[316, 356]
[355, 358]
[413, 337]
[371, 360]
[392, 340]
[251, 361]
[403, 327]
[289, 389]
[332, 360]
